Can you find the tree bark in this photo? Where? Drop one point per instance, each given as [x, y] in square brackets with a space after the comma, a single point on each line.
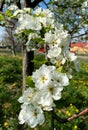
[24, 66]
[32, 4]
[1, 5]
[28, 65]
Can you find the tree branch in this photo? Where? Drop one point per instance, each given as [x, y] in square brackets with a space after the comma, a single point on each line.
[79, 114]
[64, 120]
[19, 4]
[32, 4]
[61, 120]
[80, 35]
[1, 5]
[67, 5]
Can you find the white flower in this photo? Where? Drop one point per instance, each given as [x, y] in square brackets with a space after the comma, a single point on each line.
[13, 7]
[17, 12]
[38, 11]
[27, 22]
[71, 56]
[46, 101]
[27, 95]
[31, 115]
[53, 90]
[60, 60]
[28, 10]
[52, 39]
[44, 12]
[30, 96]
[61, 79]
[43, 76]
[54, 52]
[21, 116]
[47, 22]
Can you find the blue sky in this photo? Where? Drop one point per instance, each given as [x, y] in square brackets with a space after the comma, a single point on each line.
[2, 31]
[42, 4]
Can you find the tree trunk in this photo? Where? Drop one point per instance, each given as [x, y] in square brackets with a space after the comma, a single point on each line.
[13, 48]
[24, 67]
[28, 65]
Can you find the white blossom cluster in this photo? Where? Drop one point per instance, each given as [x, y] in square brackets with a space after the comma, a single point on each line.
[48, 86]
[40, 26]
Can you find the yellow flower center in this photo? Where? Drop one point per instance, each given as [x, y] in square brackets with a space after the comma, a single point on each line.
[53, 42]
[43, 78]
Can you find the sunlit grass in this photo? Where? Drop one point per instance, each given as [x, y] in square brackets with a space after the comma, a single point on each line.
[74, 97]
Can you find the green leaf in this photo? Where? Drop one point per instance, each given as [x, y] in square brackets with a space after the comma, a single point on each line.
[39, 60]
[60, 69]
[38, 40]
[28, 31]
[9, 13]
[1, 17]
[29, 81]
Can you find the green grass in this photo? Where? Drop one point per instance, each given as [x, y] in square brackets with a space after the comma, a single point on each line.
[74, 97]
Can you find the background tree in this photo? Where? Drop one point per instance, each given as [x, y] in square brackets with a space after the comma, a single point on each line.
[73, 15]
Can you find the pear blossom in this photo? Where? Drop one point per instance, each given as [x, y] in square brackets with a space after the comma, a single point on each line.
[44, 12]
[21, 116]
[43, 76]
[20, 12]
[53, 90]
[61, 79]
[52, 39]
[31, 115]
[46, 101]
[13, 7]
[59, 60]
[27, 95]
[30, 96]
[28, 22]
[71, 56]
[54, 52]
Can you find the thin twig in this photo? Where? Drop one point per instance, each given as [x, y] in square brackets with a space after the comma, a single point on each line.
[64, 120]
[79, 114]
[80, 35]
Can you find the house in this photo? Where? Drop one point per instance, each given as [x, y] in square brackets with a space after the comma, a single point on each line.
[79, 47]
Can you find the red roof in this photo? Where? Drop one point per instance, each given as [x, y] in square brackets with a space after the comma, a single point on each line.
[79, 44]
[79, 47]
